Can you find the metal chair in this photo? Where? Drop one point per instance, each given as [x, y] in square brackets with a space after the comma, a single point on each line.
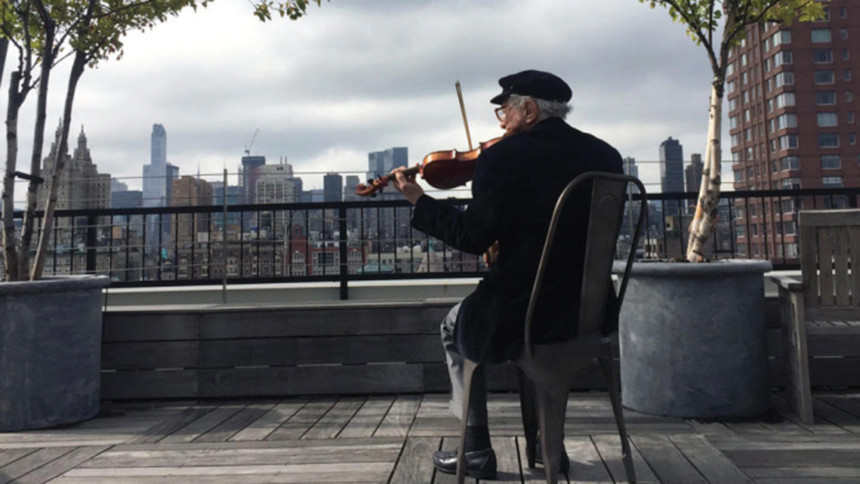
[545, 369]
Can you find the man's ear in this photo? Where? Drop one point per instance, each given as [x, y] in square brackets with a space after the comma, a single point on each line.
[531, 111]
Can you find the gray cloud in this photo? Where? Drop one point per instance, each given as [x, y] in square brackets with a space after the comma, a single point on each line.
[364, 75]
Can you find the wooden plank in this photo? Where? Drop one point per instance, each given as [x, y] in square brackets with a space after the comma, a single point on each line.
[150, 325]
[205, 423]
[236, 423]
[507, 459]
[284, 473]
[149, 355]
[368, 418]
[118, 385]
[668, 463]
[271, 420]
[709, 461]
[609, 447]
[415, 463]
[794, 457]
[311, 380]
[837, 416]
[586, 464]
[59, 466]
[804, 472]
[204, 454]
[795, 354]
[841, 288]
[173, 423]
[400, 416]
[11, 455]
[334, 421]
[13, 471]
[303, 420]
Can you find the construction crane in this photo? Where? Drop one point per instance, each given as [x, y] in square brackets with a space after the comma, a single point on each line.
[251, 143]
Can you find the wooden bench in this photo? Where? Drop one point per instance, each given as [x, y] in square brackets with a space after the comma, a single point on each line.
[821, 312]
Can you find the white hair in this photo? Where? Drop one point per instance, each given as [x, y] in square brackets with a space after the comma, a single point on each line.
[546, 109]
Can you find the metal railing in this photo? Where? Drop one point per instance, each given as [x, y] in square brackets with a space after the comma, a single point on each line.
[372, 240]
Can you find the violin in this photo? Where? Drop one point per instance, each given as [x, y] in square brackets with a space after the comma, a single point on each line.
[444, 170]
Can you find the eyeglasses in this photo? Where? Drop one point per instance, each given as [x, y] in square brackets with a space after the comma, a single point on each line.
[500, 113]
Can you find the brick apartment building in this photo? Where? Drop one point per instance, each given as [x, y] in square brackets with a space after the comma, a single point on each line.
[791, 111]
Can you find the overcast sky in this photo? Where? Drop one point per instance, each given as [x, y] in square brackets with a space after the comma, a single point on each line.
[356, 76]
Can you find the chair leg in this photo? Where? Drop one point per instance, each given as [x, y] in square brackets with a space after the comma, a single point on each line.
[551, 399]
[469, 368]
[615, 398]
[528, 407]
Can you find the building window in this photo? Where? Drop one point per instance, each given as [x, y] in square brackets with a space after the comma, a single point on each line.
[843, 33]
[824, 77]
[843, 12]
[790, 163]
[831, 182]
[846, 54]
[744, 78]
[743, 60]
[787, 99]
[789, 228]
[788, 120]
[827, 120]
[730, 69]
[822, 56]
[782, 37]
[852, 138]
[831, 162]
[828, 140]
[781, 58]
[733, 122]
[846, 75]
[849, 96]
[788, 141]
[825, 98]
[850, 117]
[784, 79]
[821, 36]
[791, 184]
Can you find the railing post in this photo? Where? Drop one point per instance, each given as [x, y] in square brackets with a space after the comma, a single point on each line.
[344, 262]
[91, 244]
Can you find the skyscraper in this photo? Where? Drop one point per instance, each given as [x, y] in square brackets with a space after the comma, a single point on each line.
[791, 112]
[693, 176]
[382, 162]
[671, 166]
[250, 167]
[333, 187]
[154, 182]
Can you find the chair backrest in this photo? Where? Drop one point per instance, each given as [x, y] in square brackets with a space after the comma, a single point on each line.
[829, 260]
[608, 192]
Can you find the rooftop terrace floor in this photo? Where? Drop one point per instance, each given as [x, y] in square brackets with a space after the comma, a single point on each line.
[391, 439]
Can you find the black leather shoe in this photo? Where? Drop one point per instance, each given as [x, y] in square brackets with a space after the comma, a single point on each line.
[480, 464]
[565, 460]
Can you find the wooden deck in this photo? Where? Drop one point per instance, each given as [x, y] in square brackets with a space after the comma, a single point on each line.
[391, 438]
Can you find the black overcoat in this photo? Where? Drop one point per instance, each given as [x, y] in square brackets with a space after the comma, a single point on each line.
[516, 184]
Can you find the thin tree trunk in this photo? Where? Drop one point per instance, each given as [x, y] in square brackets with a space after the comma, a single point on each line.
[38, 140]
[709, 193]
[78, 66]
[10, 251]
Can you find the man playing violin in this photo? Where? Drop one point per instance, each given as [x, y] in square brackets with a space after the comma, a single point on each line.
[516, 184]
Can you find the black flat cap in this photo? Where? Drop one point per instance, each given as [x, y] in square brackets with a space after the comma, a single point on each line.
[537, 84]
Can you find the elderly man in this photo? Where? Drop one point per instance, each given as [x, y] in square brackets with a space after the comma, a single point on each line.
[515, 187]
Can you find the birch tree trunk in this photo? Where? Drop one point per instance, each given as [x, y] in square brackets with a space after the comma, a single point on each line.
[38, 140]
[10, 250]
[709, 193]
[59, 164]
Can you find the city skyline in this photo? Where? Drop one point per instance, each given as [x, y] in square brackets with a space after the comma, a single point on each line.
[367, 78]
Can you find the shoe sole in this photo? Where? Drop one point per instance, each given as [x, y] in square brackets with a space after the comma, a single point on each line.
[472, 474]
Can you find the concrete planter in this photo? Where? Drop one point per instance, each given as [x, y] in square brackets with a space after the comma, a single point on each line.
[50, 351]
[692, 339]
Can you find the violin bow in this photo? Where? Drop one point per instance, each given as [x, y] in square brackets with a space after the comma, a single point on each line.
[463, 111]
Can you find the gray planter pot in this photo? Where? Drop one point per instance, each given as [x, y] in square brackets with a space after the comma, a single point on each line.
[693, 341]
[50, 351]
